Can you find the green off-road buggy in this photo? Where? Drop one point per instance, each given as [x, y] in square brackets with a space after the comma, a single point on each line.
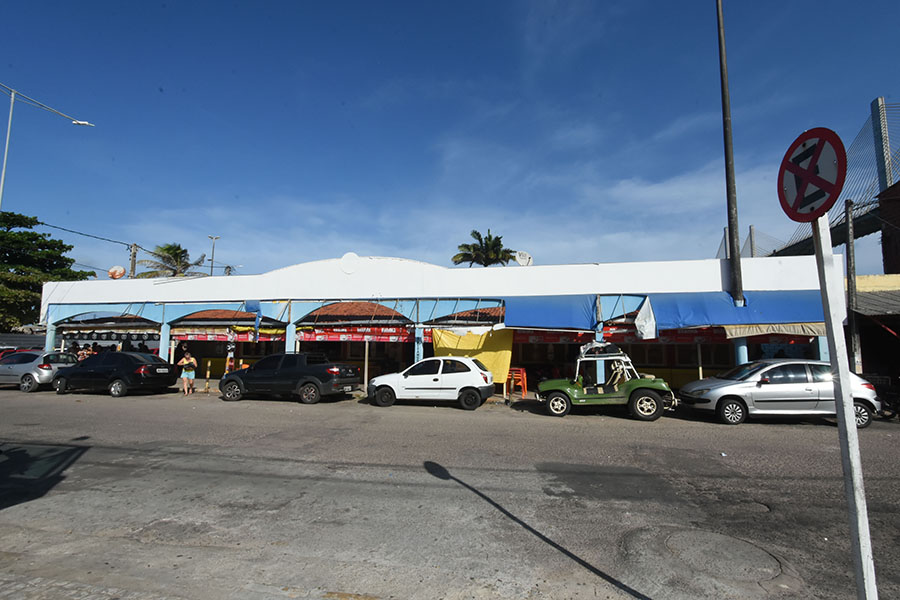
[604, 375]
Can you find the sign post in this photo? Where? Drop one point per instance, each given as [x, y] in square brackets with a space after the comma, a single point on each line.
[809, 181]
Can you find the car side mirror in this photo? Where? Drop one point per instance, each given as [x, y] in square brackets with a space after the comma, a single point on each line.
[764, 380]
[405, 375]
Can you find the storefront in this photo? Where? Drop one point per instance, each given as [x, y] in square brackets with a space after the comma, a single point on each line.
[389, 309]
[226, 339]
[119, 332]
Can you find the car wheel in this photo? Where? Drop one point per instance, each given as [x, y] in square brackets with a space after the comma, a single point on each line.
[59, 384]
[645, 405]
[28, 383]
[731, 411]
[309, 393]
[117, 388]
[558, 404]
[863, 415]
[469, 400]
[231, 391]
[385, 397]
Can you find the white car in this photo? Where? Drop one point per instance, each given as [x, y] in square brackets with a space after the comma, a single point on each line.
[458, 378]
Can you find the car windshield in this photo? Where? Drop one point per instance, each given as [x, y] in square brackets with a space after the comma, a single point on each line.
[742, 371]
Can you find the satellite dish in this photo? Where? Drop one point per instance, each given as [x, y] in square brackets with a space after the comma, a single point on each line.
[523, 258]
[116, 272]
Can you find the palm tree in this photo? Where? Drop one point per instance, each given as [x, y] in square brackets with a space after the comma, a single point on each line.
[170, 260]
[488, 250]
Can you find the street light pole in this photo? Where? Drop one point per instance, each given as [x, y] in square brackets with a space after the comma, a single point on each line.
[12, 102]
[212, 258]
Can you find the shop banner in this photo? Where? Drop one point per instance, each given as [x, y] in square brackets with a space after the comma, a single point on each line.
[359, 334]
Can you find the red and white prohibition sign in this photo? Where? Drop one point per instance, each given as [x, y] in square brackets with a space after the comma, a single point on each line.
[812, 174]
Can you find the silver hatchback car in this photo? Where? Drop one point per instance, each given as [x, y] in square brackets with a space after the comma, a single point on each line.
[30, 370]
[778, 387]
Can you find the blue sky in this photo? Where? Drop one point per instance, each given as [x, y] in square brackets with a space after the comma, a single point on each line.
[297, 131]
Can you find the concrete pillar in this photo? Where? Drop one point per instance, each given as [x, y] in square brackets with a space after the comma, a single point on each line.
[164, 341]
[741, 355]
[50, 340]
[822, 344]
[419, 351]
[290, 338]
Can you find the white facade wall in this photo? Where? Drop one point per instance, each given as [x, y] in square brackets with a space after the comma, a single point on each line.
[354, 277]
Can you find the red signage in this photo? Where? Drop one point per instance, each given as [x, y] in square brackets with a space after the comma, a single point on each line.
[812, 174]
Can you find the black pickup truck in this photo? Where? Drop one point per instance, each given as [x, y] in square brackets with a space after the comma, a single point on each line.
[307, 375]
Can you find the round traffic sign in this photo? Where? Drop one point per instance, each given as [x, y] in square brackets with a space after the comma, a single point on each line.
[812, 174]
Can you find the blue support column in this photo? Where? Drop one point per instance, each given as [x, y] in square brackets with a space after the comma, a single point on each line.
[50, 340]
[741, 355]
[822, 345]
[420, 344]
[164, 341]
[290, 338]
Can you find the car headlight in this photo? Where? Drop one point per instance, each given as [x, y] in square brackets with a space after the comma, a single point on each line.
[700, 392]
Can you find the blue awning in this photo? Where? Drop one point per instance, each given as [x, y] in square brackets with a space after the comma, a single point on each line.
[676, 311]
[552, 312]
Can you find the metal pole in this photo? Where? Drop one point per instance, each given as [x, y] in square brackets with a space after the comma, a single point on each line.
[752, 241]
[12, 103]
[855, 354]
[366, 366]
[737, 284]
[854, 490]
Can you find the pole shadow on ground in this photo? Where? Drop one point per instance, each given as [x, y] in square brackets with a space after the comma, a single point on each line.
[440, 472]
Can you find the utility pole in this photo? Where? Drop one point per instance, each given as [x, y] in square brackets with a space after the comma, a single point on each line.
[855, 351]
[133, 260]
[737, 284]
[212, 258]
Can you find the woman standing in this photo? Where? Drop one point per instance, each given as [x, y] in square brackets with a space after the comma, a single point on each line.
[188, 365]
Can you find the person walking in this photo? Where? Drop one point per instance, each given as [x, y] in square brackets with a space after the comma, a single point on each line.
[188, 366]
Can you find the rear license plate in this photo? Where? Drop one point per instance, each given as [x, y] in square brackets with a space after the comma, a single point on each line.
[162, 370]
[348, 388]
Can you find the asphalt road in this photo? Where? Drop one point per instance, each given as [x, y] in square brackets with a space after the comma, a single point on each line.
[161, 496]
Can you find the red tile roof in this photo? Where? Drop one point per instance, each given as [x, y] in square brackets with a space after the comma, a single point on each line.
[217, 314]
[353, 310]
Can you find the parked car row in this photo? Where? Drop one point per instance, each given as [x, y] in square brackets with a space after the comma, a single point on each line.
[604, 375]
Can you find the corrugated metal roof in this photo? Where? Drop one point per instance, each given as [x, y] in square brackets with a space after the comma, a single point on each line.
[875, 304]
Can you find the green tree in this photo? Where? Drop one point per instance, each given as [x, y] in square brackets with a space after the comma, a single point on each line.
[487, 250]
[170, 260]
[27, 260]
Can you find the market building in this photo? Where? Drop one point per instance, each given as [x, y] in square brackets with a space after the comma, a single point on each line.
[675, 318]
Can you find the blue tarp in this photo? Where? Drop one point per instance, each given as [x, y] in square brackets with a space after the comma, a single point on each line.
[552, 312]
[675, 311]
